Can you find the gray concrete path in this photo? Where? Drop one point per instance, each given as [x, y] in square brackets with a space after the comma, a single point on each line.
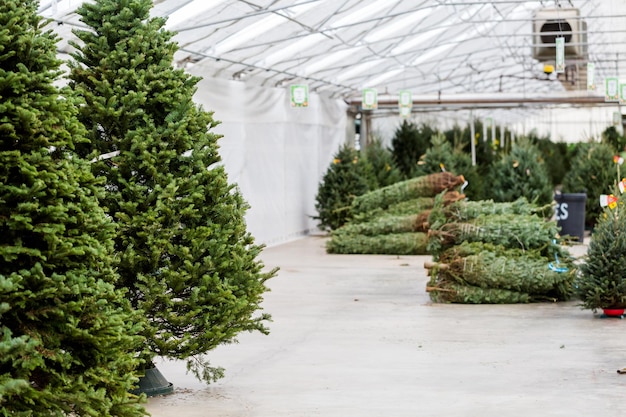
[357, 336]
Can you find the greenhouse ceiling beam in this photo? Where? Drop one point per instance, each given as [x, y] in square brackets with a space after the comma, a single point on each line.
[492, 100]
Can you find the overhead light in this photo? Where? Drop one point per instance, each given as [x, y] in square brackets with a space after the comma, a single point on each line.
[361, 14]
[359, 69]
[434, 52]
[396, 25]
[428, 35]
[373, 82]
[294, 48]
[191, 9]
[417, 40]
[256, 29]
[331, 59]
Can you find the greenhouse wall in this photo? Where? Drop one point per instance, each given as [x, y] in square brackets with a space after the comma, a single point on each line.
[275, 153]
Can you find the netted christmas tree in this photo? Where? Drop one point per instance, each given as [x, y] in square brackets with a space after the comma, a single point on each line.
[521, 173]
[484, 273]
[392, 219]
[495, 252]
[346, 178]
[423, 186]
[67, 337]
[443, 156]
[184, 253]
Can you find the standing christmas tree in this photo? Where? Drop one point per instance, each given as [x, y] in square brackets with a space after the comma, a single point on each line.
[602, 279]
[67, 337]
[345, 179]
[184, 252]
[521, 173]
[409, 143]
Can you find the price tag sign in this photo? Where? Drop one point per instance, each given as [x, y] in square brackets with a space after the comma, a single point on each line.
[591, 81]
[608, 200]
[611, 89]
[370, 99]
[560, 54]
[300, 95]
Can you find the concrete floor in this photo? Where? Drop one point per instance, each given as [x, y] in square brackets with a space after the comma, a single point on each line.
[357, 335]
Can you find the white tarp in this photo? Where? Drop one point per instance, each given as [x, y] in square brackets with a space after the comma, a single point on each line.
[275, 153]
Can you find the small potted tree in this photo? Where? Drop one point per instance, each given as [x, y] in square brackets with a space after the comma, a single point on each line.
[602, 279]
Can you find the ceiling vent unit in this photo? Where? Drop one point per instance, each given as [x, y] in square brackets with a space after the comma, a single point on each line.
[549, 24]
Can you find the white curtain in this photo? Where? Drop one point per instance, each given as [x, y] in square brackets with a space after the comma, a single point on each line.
[275, 153]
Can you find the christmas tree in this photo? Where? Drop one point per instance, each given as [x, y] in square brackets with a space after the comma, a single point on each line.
[409, 143]
[67, 337]
[592, 173]
[602, 281]
[442, 156]
[346, 178]
[185, 256]
[602, 278]
[521, 173]
[383, 168]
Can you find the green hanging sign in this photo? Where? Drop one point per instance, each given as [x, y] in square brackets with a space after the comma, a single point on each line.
[560, 54]
[299, 95]
[622, 95]
[405, 103]
[370, 99]
[611, 89]
[404, 99]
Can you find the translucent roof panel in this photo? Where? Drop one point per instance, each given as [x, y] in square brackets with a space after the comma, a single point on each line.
[426, 46]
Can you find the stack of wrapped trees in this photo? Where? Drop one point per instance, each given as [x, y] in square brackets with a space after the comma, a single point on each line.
[393, 219]
[496, 253]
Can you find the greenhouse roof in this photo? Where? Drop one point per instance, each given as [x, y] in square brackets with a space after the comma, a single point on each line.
[439, 50]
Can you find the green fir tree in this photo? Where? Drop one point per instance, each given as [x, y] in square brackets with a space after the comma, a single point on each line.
[555, 155]
[602, 279]
[592, 173]
[384, 171]
[345, 179]
[185, 255]
[521, 173]
[612, 137]
[67, 337]
[409, 143]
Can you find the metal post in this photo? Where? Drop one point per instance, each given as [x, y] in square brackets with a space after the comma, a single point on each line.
[473, 138]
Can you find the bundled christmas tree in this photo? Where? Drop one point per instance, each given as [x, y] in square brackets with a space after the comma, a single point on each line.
[517, 224]
[346, 178]
[413, 206]
[393, 219]
[385, 244]
[485, 273]
[490, 252]
[67, 337]
[442, 156]
[424, 186]
[184, 255]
